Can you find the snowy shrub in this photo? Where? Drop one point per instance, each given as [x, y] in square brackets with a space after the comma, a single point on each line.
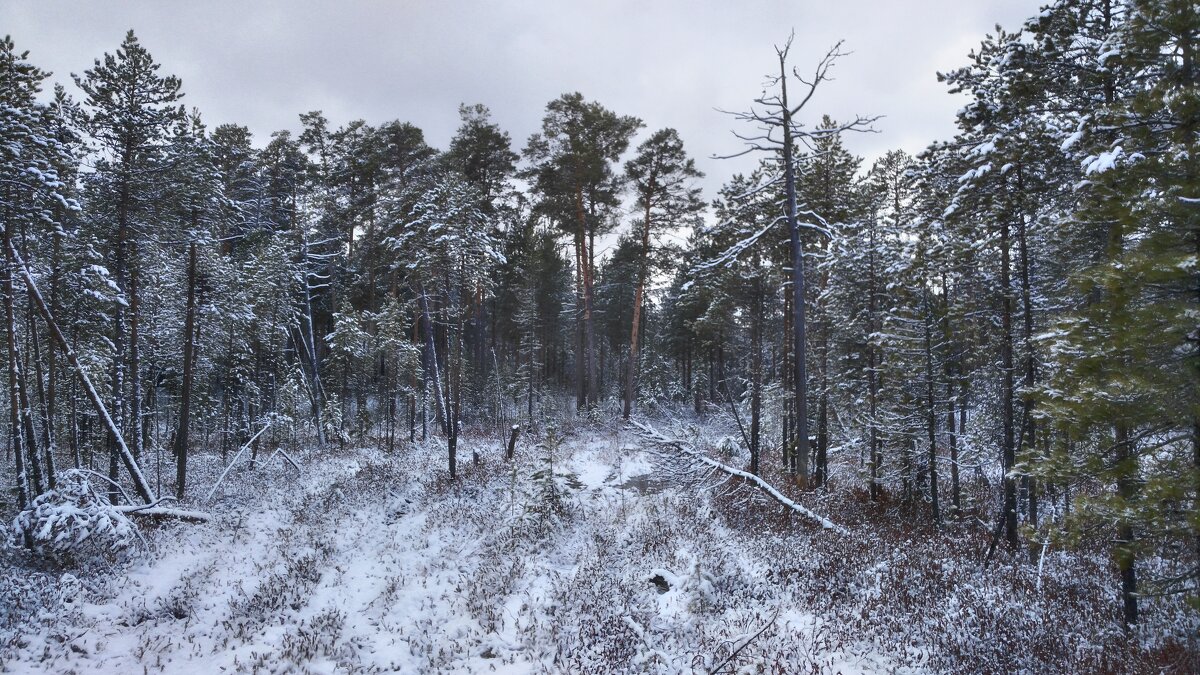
[73, 523]
[331, 420]
[550, 487]
[315, 638]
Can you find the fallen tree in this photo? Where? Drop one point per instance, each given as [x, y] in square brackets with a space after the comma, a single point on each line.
[652, 434]
[154, 512]
[150, 509]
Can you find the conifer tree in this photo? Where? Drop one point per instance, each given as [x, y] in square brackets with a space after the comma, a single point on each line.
[572, 173]
[131, 110]
[661, 175]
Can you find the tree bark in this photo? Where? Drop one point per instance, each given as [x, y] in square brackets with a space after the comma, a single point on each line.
[931, 411]
[799, 463]
[1126, 467]
[24, 494]
[131, 465]
[135, 363]
[48, 419]
[1008, 454]
[189, 357]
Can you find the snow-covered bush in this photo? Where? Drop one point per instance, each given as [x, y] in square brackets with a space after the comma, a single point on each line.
[331, 419]
[550, 489]
[73, 524]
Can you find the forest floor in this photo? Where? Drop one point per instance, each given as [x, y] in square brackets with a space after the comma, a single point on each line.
[602, 554]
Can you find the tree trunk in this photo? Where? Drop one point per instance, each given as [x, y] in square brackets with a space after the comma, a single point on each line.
[1028, 428]
[189, 357]
[131, 465]
[643, 269]
[589, 325]
[873, 363]
[1008, 455]
[951, 403]
[117, 373]
[799, 463]
[431, 361]
[756, 370]
[24, 494]
[135, 365]
[1127, 470]
[48, 419]
[310, 340]
[931, 411]
[581, 385]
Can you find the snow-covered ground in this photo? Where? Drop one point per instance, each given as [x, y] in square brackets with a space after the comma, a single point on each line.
[589, 555]
[368, 563]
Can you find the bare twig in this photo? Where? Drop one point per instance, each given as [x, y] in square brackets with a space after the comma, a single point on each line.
[748, 640]
[235, 459]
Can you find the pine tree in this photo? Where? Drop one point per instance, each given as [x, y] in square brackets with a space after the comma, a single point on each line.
[572, 172]
[441, 240]
[780, 132]
[130, 113]
[661, 175]
[1125, 391]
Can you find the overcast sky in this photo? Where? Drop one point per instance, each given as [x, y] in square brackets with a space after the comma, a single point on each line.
[672, 63]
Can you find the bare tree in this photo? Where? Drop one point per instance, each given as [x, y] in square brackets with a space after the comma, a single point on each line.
[778, 133]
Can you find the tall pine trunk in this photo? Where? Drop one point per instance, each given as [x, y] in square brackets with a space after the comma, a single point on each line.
[24, 493]
[643, 267]
[189, 358]
[135, 364]
[48, 418]
[1008, 455]
[931, 410]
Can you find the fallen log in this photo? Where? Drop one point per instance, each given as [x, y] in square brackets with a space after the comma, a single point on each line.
[163, 513]
[654, 435]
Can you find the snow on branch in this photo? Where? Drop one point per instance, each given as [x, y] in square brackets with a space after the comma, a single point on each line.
[730, 254]
[654, 435]
[164, 513]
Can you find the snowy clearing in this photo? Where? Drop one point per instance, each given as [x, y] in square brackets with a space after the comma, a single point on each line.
[596, 554]
[369, 566]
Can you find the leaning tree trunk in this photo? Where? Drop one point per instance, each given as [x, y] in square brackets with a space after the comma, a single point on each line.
[17, 265]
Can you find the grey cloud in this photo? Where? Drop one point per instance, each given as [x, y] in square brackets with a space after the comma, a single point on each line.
[670, 62]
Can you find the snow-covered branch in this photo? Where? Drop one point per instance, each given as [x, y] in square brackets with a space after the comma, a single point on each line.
[654, 435]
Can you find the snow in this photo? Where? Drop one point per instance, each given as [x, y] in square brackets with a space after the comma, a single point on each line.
[1071, 140]
[625, 560]
[1105, 161]
[372, 564]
